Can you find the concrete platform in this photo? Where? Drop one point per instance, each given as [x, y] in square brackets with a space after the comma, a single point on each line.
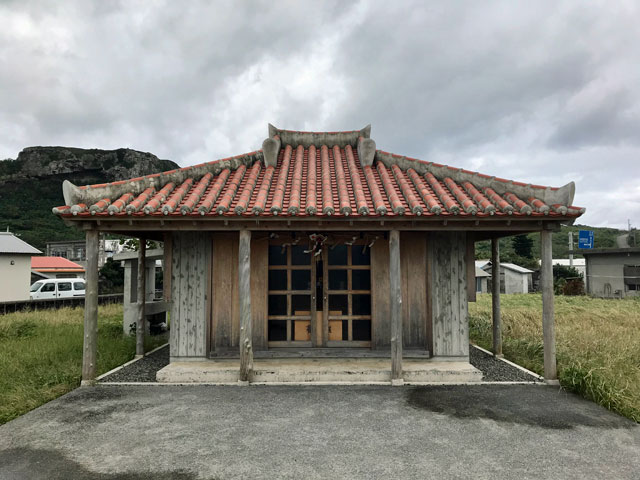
[359, 371]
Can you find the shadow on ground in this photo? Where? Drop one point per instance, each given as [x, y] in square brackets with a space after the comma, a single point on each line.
[531, 406]
[18, 463]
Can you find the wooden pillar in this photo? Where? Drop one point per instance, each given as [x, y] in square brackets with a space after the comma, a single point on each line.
[166, 266]
[495, 296]
[470, 263]
[90, 347]
[548, 320]
[244, 295]
[141, 296]
[395, 281]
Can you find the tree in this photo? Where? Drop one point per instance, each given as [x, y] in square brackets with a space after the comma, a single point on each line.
[111, 277]
[567, 281]
[523, 246]
[134, 244]
[563, 271]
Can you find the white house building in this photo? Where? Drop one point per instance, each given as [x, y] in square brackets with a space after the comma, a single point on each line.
[15, 267]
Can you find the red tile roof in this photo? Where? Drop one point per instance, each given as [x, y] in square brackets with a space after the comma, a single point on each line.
[318, 180]
[55, 264]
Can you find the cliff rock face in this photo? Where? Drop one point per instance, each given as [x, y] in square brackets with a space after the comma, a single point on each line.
[31, 185]
[109, 165]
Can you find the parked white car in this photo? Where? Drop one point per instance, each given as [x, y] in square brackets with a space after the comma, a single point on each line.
[58, 288]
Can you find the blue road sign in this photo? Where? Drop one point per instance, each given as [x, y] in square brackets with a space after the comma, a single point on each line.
[585, 239]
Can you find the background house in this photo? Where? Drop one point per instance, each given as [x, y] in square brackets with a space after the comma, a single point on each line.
[613, 273]
[54, 267]
[482, 280]
[76, 250]
[513, 278]
[15, 268]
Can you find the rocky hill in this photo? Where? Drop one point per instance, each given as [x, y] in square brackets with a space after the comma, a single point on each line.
[32, 184]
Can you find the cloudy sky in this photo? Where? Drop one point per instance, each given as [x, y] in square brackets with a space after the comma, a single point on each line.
[543, 92]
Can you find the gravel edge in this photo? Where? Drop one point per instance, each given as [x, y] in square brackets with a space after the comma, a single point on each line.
[493, 369]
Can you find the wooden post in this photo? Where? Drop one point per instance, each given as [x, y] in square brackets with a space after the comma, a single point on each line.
[90, 347]
[548, 320]
[470, 259]
[244, 294]
[166, 266]
[396, 307]
[495, 296]
[141, 296]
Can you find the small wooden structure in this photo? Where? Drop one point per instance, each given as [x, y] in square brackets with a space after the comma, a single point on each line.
[319, 245]
[155, 310]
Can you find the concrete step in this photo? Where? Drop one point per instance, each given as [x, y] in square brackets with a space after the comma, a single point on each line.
[320, 371]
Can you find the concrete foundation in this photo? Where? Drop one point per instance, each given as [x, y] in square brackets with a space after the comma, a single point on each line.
[320, 371]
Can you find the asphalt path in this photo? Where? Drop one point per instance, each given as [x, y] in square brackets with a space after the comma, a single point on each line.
[209, 432]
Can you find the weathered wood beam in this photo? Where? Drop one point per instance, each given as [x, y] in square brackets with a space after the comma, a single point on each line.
[395, 282]
[548, 319]
[141, 296]
[129, 225]
[90, 344]
[495, 296]
[244, 290]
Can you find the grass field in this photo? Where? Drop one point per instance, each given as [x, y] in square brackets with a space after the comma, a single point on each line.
[598, 344]
[41, 354]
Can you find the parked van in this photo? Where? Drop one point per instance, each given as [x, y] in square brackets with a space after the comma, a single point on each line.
[58, 288]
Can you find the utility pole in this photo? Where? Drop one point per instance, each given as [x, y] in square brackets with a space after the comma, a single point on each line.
[571, 249]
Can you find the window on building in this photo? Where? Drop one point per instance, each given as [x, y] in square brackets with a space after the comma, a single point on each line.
[632, 277]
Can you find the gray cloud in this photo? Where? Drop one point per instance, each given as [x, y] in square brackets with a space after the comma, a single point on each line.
[543, 92]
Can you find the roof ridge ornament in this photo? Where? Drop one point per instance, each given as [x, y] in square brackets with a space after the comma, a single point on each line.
[366, 150]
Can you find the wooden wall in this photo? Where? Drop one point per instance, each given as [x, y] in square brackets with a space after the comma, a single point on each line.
[434, 288]
[380, 297]
[448, 285]
[415, 312]
[225, 331]
[190, 272]
[413, 267]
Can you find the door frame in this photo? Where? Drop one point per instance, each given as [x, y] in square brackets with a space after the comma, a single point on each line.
[319, 321]
[326, 313]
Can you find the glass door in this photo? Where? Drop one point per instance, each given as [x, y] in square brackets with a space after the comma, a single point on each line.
[318, 296]
[347, 295]
[291, 295]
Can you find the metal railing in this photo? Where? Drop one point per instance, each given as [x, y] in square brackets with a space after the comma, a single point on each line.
[55, 303]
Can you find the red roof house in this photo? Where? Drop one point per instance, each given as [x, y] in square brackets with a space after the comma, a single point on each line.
[321, 243]
[56, 267]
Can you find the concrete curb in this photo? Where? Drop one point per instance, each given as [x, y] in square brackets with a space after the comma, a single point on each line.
[134, 360]
[502, 359]
[311, 384]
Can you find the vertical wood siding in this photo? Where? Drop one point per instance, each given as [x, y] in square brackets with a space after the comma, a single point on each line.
[259, 285]
[191, 254]
[225, 312]
[415, 306]
[380, 299]
[447, 252]
[413, 260]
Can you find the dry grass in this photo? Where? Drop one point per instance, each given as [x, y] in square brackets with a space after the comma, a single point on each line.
[598, 343]
[41, 354]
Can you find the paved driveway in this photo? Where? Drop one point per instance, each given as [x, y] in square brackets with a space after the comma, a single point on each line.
[168, 432]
